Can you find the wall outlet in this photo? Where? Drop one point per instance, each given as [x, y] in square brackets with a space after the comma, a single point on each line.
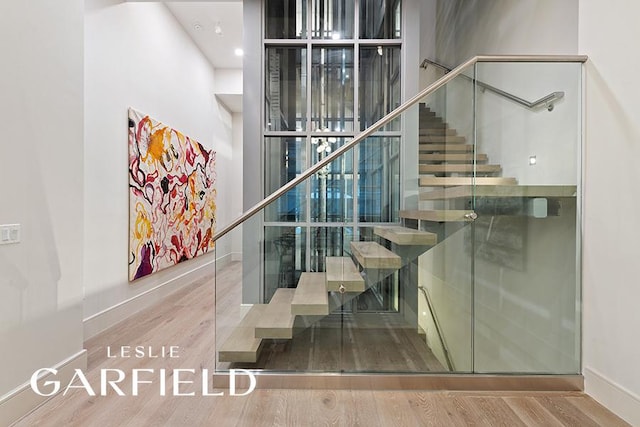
[9, 233]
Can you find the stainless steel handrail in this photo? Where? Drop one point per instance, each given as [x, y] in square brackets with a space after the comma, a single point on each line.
[386, 119]
[546, 101]
[445, 348]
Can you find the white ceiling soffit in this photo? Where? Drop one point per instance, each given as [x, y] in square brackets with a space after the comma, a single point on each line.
[232, 101]
[215, 26]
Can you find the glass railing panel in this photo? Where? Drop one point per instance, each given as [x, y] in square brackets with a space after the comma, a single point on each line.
[386, 231]
[525, 252]
[444, 293]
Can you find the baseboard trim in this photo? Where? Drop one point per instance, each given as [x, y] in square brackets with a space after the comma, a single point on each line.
[451, 382]
[614, 397]
[99, 322]
[23, 400]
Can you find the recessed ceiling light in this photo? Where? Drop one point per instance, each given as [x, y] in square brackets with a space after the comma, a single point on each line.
[197, 26]
[238, 52]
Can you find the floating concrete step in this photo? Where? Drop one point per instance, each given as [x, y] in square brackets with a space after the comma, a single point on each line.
[459, 168]
[342, 271]
[373, 255]
[406, 236]
[277, 320]
[522, 191]
[431, 120]
[242, 345]
[446, 157]
[453, 181]
[436, 131]
[435, 215]
[311, 296]
[426, 113]
[445, 148]
[442, 139]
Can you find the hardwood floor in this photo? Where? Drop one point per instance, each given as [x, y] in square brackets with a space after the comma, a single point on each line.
[186, 319]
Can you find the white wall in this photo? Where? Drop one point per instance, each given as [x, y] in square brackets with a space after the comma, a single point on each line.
[473, 27]
[41, 152]
[527, 27]
[610, 273]
[237, 176]
[138, 55]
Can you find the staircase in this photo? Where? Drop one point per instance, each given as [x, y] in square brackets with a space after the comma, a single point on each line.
[446, 167]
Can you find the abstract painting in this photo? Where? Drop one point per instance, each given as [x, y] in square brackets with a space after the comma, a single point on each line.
[172, 196]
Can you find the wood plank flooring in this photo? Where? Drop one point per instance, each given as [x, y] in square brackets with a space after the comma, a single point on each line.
[186, 319]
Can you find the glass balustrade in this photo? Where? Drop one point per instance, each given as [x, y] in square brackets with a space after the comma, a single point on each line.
[445, 241]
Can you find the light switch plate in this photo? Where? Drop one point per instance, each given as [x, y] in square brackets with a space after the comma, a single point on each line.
[9, 233]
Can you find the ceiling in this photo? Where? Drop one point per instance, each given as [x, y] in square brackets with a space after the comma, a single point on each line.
[200, 19]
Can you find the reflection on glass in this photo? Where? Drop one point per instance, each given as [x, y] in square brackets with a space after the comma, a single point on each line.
[378, 186]
[332, 91]
[526, 249]
[332, 186]
[285, 158]
[286, 19]
[332, 19]
[380, 19]
[328, 242]
[284, 256]
[380, 90]
[285, 88]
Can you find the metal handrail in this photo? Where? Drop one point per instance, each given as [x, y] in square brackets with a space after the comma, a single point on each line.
[386, 119]
[445, 348]
[546, 101]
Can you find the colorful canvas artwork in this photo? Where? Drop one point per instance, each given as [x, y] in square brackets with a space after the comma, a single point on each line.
[172, 196]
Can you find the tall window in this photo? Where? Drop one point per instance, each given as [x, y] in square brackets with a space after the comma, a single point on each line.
[332, 69]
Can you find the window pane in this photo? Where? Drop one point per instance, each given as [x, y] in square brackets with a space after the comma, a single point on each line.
[332, 89]
[286, 88]
[286, 19]
[380, 84]
[285, 158]
[328, 242]
[380, 19]
[332, 187]
[332, 19]
[378, 184]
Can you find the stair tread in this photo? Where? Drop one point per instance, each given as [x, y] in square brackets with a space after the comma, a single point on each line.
[448, 157]
[444, 139]
[310, 297]
[500, 191]
[427, 130]
[277, 320]
[342, 271]
[406, 236]
[446, 148]
[448, 215]
[373, 255]
[453, 181]
[459, 168]
[242, 345]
